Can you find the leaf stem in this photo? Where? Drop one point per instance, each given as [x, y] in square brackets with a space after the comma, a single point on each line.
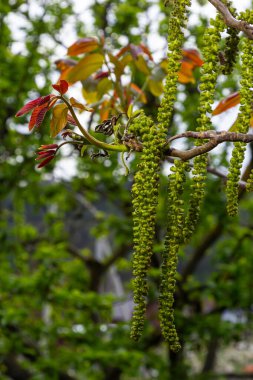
[92, 140]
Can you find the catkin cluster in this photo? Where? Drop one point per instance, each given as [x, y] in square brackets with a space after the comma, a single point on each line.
[152, 136]
[172, 243]
[244, 117]
[145, 197]
[209, 74]
[231, 43]
[177, 21]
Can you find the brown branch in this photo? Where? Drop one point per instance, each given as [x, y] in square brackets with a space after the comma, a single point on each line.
[220, 137]
[214, 137]
[196, 151]
[230, 21]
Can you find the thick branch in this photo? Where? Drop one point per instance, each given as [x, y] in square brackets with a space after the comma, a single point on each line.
[231, 21]
[215, 139]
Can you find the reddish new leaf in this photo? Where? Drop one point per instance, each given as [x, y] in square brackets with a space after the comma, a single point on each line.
[101, 75]
[185, 74]
[48, 146]
[45, 155]
[32, 104]
[229, 102]
[83, 45]
[193, 56]
[146, 51]
[37, 116]
[71, 120]
[62, 87]
[45, 162]
[40, 116]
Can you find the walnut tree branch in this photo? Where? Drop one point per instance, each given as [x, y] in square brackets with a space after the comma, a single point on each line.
[241, 25]
[215, 138]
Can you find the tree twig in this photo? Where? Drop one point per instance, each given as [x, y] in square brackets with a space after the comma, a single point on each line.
[241, 25]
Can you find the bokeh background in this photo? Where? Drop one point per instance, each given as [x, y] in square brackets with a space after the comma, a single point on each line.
[65, 230]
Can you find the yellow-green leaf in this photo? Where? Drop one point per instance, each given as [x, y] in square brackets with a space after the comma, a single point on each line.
[76, 104]
[59, 119]
[85, 67]
[90, 96]
[130, 110]
[141, 65]
[104, 86]
[156, 88]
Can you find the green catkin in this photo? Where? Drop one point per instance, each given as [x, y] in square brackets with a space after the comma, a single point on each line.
[244, 116]
[248, 16]
[177, 21]
[145, 198]
[231, 44]
[209, 74]
[172, 243]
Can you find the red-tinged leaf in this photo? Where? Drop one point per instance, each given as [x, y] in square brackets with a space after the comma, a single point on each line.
[123, 51]
[146, 50]
[45, 162]
[45, 99]
[32, 104]
[101, 75]
[49, 152]
[52, 102]
[193, 56]
[49, 146]
[40, 116]
[229, 102]
[85, 67]
[185, 75]
[37, 116]
[135, 51]
[71, 120]
[45, 155]
[59, 119]
[62, 87]
[64, 64]
[83, 45]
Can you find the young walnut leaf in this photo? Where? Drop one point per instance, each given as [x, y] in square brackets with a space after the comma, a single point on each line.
[85, 67]
[62, 87]
[83, 45]
[76, 104]
[59, 119]
[32, 104]
[229, 102]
